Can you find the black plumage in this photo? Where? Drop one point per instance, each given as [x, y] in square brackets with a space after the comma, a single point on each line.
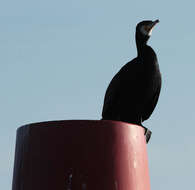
[134, 91]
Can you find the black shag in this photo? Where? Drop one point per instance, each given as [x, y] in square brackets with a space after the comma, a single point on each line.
[134, 91]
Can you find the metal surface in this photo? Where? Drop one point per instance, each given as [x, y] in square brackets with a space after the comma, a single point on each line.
[81, 155]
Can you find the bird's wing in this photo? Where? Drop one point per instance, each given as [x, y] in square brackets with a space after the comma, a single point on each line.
[116, 88]
[111, 97]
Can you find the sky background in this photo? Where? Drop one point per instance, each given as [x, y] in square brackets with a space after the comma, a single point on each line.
[58, 57]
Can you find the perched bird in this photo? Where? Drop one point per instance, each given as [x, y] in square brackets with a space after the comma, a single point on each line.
[134, 91]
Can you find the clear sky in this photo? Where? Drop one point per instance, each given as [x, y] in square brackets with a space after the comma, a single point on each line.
[57, 58]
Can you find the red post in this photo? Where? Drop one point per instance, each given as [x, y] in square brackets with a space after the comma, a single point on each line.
[81, 155]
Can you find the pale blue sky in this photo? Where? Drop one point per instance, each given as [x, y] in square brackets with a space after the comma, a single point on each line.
[57, 58]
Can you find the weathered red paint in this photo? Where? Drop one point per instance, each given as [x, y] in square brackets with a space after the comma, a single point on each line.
[81, 155]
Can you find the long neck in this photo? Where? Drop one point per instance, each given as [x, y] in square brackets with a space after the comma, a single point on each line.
[146, 53]
[140, 49]
[141, 43]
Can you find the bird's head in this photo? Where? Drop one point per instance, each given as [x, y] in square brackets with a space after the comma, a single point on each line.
[144, 30]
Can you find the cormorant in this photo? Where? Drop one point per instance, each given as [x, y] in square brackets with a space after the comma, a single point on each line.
[134, 91]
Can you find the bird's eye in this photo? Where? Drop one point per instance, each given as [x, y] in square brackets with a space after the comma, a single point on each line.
[146, 28]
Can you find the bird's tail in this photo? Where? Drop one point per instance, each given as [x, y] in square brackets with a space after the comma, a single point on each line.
[147, 133]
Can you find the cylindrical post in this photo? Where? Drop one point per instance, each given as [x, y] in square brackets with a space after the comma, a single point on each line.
[81, 155]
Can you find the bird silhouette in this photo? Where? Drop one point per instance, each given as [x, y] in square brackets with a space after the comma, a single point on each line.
[134, 91]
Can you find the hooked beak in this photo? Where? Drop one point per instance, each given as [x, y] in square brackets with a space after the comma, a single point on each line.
[152, 26]
[154, 23]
